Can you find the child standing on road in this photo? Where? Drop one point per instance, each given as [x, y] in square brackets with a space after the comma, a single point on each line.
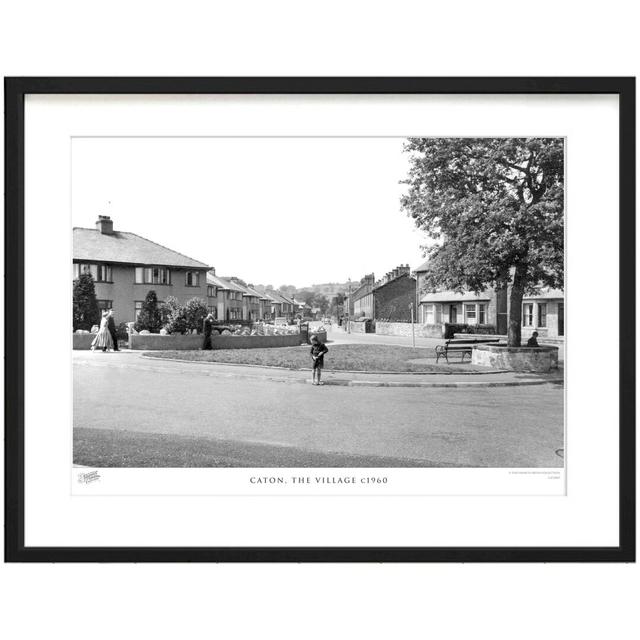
[318, 349]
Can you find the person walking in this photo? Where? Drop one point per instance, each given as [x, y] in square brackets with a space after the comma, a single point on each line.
[318, 349]
[111, 325]
[103, 338]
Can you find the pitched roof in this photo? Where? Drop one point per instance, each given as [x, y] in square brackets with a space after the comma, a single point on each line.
[234, 286]
[221, 283]
[455, 296]
[125, 247]
[384, 282]
[273, 298]
[546, 294]
[422, 268]
[247, 290]
[278, 297]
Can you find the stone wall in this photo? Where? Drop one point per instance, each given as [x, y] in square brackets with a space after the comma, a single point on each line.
[539, 359]
[357, 327]
[404, 329]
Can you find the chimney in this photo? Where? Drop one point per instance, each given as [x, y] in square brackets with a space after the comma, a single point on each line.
[104, 224]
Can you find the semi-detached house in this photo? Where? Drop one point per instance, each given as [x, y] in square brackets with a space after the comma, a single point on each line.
[125, 267]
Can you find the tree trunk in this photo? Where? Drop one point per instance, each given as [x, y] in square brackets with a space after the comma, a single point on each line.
[515, 309]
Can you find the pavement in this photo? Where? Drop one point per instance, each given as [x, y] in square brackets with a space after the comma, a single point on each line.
[200, 414]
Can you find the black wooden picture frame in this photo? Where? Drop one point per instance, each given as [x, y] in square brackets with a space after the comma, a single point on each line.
[15, 91]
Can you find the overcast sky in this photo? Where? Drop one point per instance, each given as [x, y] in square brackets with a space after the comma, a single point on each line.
[274, 211]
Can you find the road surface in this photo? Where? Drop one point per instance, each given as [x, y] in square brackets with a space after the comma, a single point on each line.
[178, 414]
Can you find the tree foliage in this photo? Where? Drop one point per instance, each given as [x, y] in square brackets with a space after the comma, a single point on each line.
[150, 316]
[494, 208]
[315, 300]
[86, 312]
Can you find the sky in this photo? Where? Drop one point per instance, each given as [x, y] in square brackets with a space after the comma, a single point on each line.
[294, 211]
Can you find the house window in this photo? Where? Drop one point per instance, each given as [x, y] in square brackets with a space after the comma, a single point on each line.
[212, 291]
[99, 272]
[429, 315]
[213, 311]
[470, 313]
[527, 314]
[192, 279]
[152, 275]
[542, 314]
[138, 308]
[103, 305]
[482, 314]
[103, 273]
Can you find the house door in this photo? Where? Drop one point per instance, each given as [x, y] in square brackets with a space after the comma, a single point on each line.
[453, 314]
[560, 318]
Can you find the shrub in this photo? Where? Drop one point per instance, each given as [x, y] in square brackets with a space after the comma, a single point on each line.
[450, 329]
[150, 318]
[121, 332]
[489, 329]
[195, 311]
[86, 312]
[173, 316]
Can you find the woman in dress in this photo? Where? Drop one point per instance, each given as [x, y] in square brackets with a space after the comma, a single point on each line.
[103, 338]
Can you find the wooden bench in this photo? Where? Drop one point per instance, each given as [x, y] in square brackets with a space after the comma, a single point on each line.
[463, 346]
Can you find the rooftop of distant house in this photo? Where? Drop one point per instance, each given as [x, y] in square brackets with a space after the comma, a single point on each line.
[105, 244]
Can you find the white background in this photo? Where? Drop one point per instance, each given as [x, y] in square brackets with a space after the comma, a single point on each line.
[587, 516]
[400, 38]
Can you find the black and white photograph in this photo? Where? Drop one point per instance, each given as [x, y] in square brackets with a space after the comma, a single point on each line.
[318, 302]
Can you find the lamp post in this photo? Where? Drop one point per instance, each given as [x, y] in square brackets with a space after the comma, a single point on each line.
[413, 331]
[349, 309]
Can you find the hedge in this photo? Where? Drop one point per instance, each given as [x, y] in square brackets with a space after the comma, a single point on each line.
[450, 329]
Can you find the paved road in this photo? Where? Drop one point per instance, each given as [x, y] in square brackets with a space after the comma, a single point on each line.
[174, 408]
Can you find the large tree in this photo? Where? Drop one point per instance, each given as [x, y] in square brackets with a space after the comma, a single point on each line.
[86, 312]
[494, 210]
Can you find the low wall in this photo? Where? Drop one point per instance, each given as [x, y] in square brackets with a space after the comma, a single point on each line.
[539, 359]
[559, 340]
[156, 342]
[322, 335]
[404, 329]
[357, 327]
[83, 340]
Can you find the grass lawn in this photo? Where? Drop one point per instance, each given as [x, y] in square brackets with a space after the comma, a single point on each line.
[342, 357]
[105, 448]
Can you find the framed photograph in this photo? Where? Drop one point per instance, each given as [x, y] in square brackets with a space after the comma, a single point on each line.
[320, 319]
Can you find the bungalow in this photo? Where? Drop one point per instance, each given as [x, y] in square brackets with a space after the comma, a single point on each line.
[126, 266]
